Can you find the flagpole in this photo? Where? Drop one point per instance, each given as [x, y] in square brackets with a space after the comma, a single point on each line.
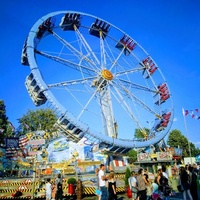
[187, 135]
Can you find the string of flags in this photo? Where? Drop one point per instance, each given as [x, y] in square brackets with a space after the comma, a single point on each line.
[193, 113]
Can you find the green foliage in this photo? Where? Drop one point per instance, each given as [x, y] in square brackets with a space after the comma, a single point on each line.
[194, 151]
[132, 154]
[176, 139]
[127, 176]
[141, 133]
[5, 126]
[42, 119]
[71, 180]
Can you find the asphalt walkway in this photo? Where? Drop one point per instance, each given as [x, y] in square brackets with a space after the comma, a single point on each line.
[178, 196]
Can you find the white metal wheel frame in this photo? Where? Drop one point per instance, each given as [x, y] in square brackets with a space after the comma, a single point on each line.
[96, 79]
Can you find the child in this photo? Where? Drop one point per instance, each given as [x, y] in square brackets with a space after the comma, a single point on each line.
[98, 193]
[155, 192]
[48, 189]
[97, 190]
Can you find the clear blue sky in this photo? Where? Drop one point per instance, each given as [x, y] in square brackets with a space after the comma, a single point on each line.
[168, 30]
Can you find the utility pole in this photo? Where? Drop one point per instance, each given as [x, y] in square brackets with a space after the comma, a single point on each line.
[187, 137]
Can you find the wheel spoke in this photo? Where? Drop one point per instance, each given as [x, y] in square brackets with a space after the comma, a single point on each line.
[72, 82]
[137, 100]
[87, 47]
[68, 63]
[75, 51]
[102, 51]
[127, 108]
[136, 86]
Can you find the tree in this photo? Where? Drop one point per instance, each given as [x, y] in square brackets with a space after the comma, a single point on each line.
[132, 154]
[176, 139]
[5, 126]
[42, 119]
[127, 176]
[139, 133]
[194, 151]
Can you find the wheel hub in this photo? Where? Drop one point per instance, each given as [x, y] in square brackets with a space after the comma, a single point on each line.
[106, 74]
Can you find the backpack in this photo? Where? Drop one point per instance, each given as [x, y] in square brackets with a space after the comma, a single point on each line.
[59, 187]
[166, 189]
[164, 181]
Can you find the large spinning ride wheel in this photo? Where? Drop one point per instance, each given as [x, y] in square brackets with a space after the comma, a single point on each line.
[100, 82]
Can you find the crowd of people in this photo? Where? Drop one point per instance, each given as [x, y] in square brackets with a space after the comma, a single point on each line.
[141, 186]
[188, 181]
[159, 189]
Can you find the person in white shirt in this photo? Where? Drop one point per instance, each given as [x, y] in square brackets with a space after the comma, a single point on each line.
[133, 183]
[48, 190]
[102, 182]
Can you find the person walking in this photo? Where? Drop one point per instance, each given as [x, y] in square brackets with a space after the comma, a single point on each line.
[141, 180]
[48, 189]
[102, 182]
[185, 182]
[59, 190]
[112, 189]
[193, 184]
[133, 185]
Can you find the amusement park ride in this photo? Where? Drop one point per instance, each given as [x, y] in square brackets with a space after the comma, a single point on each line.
[101, 84]
[99, 81]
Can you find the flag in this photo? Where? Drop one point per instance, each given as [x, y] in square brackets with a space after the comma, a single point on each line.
[23, 140]
[12, 146]
[15, 145]
[11, 152]
[185, 112]
[192, 113]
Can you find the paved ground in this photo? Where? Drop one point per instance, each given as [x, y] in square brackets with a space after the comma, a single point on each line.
[179, 196]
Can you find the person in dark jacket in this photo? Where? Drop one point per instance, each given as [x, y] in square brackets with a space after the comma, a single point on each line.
[185, 182]
[59, 189]
[193, 184]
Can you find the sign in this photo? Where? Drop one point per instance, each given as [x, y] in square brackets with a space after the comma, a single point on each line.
[34, 146]
[36, 142]
[164, 155]
[143, 157]
[88, 163]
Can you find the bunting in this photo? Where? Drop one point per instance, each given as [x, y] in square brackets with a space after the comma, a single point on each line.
[193, 113]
